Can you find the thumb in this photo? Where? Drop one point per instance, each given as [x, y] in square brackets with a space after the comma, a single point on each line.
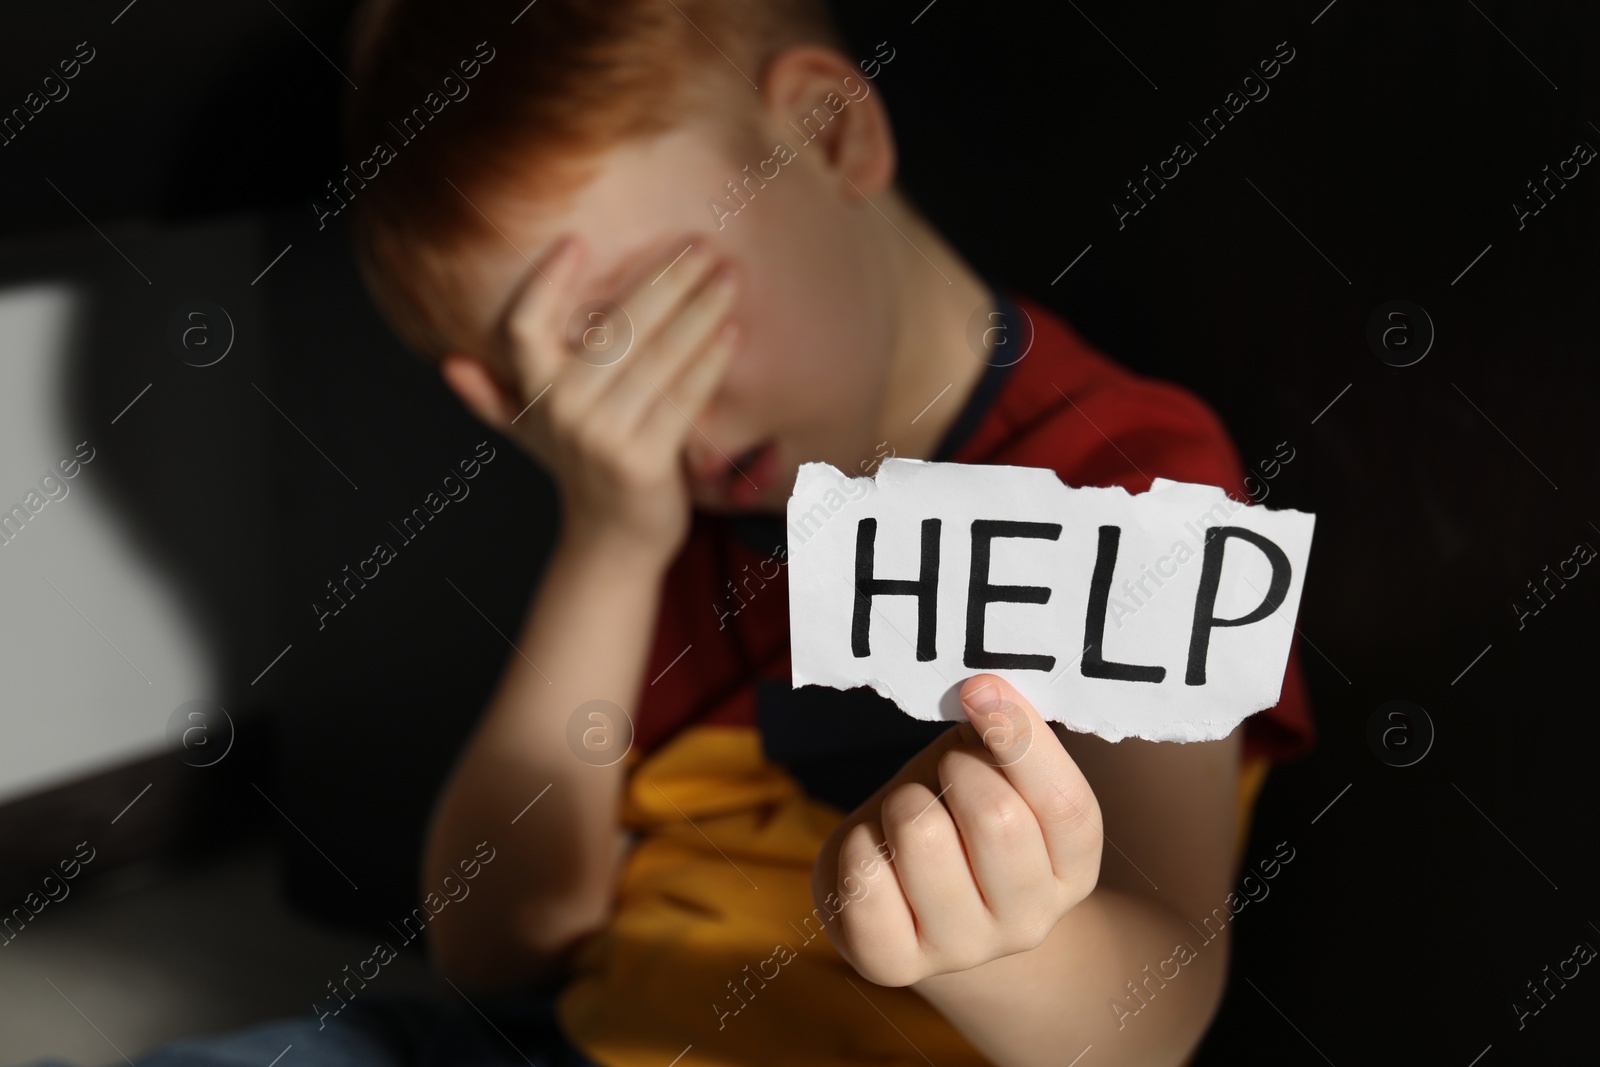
[1001, 719]
[1048, 779]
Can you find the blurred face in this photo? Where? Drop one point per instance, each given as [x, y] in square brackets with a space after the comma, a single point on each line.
[809, 375]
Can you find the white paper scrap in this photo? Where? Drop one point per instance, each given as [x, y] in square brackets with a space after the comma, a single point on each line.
[1166, 615]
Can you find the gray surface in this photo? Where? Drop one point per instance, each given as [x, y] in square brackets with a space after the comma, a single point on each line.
[162, 957]
[148, 583]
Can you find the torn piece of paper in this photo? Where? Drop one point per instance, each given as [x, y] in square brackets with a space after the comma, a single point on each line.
[1165, 615]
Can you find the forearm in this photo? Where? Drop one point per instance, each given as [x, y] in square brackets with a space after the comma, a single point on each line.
[1046, 1005]
[585, 637]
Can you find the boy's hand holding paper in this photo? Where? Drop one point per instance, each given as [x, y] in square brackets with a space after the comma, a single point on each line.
[992, 836]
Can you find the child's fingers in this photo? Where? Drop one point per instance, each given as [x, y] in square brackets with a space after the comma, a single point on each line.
[653, 307]
[653, 300]
[679, 402]
[632, 392]
[874, 920]
[535, 321]
[932, 864]
[1000, 833]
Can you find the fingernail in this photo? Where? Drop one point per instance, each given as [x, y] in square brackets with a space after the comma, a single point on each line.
[982, 699]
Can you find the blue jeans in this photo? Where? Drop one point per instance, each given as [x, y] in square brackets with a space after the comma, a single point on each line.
[488, 1031]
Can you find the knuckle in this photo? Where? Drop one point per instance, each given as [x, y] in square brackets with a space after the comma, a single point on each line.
[902, 810]
[959, 765]
[950, 764]
[901, 802]
[1034, 929]
[1001, 820]
[1071, 799]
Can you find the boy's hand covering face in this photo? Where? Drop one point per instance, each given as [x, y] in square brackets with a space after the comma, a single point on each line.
[974, 851]
[611, 427]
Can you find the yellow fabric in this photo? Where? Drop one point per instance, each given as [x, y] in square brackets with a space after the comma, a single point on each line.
[716, 954]
[719, 880]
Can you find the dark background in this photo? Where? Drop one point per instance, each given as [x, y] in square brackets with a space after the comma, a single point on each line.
[1385, 159]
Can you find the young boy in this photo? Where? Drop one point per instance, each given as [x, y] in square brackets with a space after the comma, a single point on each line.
[660, 246]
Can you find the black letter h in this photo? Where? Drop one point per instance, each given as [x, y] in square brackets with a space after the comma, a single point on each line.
[925, 589]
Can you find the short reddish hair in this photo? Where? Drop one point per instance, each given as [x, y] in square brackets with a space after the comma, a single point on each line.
[568, 80]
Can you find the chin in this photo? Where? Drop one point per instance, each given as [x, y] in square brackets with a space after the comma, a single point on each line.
[771, 502]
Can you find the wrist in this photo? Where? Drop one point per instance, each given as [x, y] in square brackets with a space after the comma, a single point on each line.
[614, 551]
[949, 986]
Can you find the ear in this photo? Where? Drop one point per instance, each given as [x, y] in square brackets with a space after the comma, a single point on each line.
[822, 107]
[470, 380]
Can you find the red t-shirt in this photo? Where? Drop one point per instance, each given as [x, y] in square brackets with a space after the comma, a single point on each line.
[725, 610]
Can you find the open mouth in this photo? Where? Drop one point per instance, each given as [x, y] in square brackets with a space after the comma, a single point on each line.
[750, 474]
